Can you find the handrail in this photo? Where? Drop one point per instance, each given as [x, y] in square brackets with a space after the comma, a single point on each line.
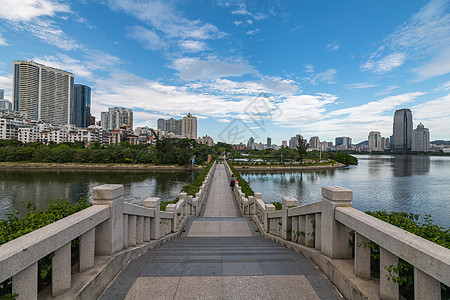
[133, 209]
[22, 252]
[307, 209]
[429, 257]
[166, 215]
[275, 214]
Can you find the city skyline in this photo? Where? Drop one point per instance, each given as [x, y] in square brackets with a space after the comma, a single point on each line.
[270, 69]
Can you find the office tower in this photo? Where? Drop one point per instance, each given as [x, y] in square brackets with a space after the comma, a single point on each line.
[117, 117]
[2, 94]
[250, 142]
[189, 126]
[81, 112]
[92, 120]
[43, 93]
[402, 130]
[171, 125]
[269, 142]
[314, 143]
[178, 127]
[5, 104]
[343, 142]
[375, 141]
[421, 138]
[162, 124]
[284, 144]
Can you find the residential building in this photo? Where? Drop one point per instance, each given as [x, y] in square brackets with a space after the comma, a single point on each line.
[284, 144]
[343, 143]
[206, 140]
[81, 112]
[421, 138]
[293, 142]
[375, 141]
[116, 118]
[2, 94]
[314, 143]
[269, 142]
[174, 126]
[28, 134]
[92, 120]
[162, 124]
[385, 143]
[402, 130]
[250, 142]
[5, 104]
[43, 93]
[189, 127]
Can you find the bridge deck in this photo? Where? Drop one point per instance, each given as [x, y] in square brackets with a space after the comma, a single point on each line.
[220, 256]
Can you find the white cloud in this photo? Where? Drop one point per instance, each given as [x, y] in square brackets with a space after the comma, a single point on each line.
[243, 11]
[309, 68]
[385, 64]
[193, 46]
[190, 69]
[333, 46]
[6, 85]
[328, 76]
[223, 120]
[252, 32]
[3, 41]
[237, 23]
[434, 115]
[387, 90]
[26, 10]
[440, 65]
[147, 38]
[359, 85]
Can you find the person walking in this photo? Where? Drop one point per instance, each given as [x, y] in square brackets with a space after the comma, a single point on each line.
[232, 181]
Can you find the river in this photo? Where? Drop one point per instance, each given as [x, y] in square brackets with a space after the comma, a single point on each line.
[414, 184]
[37, 186]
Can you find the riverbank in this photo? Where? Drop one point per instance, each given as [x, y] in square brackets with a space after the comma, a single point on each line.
[95, 167]
[287, 167]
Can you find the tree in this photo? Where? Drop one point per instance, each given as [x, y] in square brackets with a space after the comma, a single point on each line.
[302, 146]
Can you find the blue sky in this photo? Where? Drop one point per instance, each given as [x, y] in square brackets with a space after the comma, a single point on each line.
[246, 68]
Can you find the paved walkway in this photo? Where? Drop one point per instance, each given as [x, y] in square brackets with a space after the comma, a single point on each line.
[220, 256]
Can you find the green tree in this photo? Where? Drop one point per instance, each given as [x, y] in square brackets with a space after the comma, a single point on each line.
[302, 146]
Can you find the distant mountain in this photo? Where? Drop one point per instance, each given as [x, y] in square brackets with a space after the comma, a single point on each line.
[363, 143]
[440, 142]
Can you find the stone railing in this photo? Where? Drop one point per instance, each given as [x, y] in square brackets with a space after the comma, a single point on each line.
[321, 231]
[110, 233]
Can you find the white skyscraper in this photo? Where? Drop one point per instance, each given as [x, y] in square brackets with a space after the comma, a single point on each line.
[117, 117]
[189, 127]
[43, 93]
[420, 138]
[375, 141]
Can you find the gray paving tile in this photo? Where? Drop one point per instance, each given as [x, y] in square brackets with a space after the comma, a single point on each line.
[245, 287]
[280, 268]
[242, 269]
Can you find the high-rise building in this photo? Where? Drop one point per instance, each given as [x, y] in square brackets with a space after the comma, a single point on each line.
[117, 117]
[375, 141]
[269, 142]
[284, 144]
[2, 94]
[5, 104]
[343, 142]
[189, 126]
[250, 142]
[162, 124]
[402, 130]
[314, 143]
[43, 93]
[171, 125]
[81, 112]
[421, 138]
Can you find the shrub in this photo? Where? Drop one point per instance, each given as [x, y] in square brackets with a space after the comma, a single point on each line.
[246, 189]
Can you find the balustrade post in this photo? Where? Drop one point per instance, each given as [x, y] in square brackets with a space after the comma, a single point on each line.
[286, 224]
[125, 231]
[25, 283]
[362, 257]
[187, 209]
[109, 234]
[173, 209]
[251, 199]
[153, 203]
[269, 208]
[146, 229]
[309, 230]
[301, 229]
[294, 224]
[334, 234]
[86, 252]
[425, 286]
[388, 288]
[258, 196]
[61, 270]
[139, 230]
[131, 230]
[318, 231]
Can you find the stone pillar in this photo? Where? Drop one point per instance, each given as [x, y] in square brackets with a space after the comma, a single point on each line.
[187, 209]
[294, 224]
[362, 257]
[153, 203]
[87, 250]
[301, 229]
[309, 230]
[131, 230]
[258, 196]
[25, 283]
[335, 235]
[139, 230]
[425, 286]
[173, 209]
[388, 288]
[252, 199]
[61, 270]
[318, 231]
[109, 234]
[269, 208]
[146, 229]
[286, 203]
[125, 231]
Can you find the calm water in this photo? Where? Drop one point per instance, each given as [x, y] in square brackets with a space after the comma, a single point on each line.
[38, 186]
[413, 184]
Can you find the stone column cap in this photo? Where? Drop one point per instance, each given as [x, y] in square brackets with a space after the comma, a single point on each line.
[258, 195]
[107, 191]
[337, 193]
[289, 201]
[171, 207]
[270, 207]
[152, 202]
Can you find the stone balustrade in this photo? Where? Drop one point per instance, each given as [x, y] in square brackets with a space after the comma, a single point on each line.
[321, 231]
[108, 229]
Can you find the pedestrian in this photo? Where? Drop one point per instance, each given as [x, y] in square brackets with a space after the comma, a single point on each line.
[233, 179]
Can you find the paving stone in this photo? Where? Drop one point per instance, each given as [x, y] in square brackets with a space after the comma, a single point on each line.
[245, 287]
[200, 287]
[280, 268]
[160, 288]
[242, 269]
[290, 287]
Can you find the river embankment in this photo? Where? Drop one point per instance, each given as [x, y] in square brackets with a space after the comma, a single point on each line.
[95, 167]
[270, 168]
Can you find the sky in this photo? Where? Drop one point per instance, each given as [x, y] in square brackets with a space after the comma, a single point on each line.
[246, 68]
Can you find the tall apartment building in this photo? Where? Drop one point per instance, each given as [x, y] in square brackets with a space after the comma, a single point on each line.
[250, 142]
[421, 138]
[81, 112]
[161, 124]
[269, 142]
[2, 94]
[189, 126]
[343, 142]
[314, 143]
[5, 104]
[43, 93]
[117, 117]
[402, 130]
[375, 141]
[174, 126]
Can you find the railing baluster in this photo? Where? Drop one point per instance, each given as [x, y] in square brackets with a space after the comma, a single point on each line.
[61, 270]
[146, 229]
[25, 283]
[388, 288]
[425, 286]
[362, 257]
[139, 230]
[86, 252]
[318, 231]
[125, 231]
[131, 230]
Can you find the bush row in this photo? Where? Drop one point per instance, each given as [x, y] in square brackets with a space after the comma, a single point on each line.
[246, 189]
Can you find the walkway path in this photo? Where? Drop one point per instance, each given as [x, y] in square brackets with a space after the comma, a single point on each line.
[220, 256]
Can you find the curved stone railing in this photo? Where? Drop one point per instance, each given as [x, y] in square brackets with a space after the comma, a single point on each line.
[321, 231]
[110, 233]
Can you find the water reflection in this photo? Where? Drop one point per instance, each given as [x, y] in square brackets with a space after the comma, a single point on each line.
[407, 165]
[17, 186]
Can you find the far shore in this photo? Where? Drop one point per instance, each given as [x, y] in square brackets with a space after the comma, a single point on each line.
[287, 168]
[95, 167]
